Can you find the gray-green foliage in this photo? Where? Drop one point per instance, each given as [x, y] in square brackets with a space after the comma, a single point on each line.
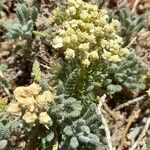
[4, 130]
[66, 109]
[83, 133]
[130, 23]
[82, 83]
[126, 74]
[148, 144]
[72, 81]
[23, 27]
[4, 134]
[72, 127]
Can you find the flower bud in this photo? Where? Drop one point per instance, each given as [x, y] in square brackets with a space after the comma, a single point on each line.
[86, 62]
[29, 117]
[69, 53]
[44, 118]
[94, 55]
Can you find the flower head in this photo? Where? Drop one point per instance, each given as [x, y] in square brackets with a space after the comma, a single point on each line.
[30, 118]
[44, 118]
[94, 55]
[86, 29]
[30, 103]
[86, 62]
[44, 99]
[14, 109]
[58, 42]
[69, 53]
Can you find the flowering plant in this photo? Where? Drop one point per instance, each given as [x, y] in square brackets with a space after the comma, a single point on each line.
[31, 105]
[86, 35]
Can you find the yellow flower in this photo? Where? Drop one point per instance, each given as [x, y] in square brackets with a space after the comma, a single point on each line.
[30, 118]
[94, 7]
[14, 109]
[27, 102]
[74, 23]
[66, 39]
[86, 62]
[104, 13]
[31, 108]
[66, 24]
[57, 42]
[106, 55]
[124, 51]
[45, 98]
[69, 53]
[92, 39]
[82, 36]
[94, 14]
[101, 21]
[71, 10]
[44, 118]
[22, 93]
[84, 15]
[104, 43]
[115, 58]
[74, 38]
[109, 28]
[99, 31]
[84, 46]
[94, 55]
[91, 27]
[115, 23]
[84, 30]
[56, 12]
[33, 89]
[49, 97]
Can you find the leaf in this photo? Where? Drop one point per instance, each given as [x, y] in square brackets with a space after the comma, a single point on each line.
[50, 137]
[114, 88]
[34, 13]
[4, 130]
[36, 71]
[3, 144]
[85, 129]
[3, 67]
[93, 139]
[20, 14]
[84, 139]
[74, 143]
[60, 88]
[68, 131]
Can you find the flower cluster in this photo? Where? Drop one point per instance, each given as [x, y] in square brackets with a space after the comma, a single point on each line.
[30, 104]
[86, 35]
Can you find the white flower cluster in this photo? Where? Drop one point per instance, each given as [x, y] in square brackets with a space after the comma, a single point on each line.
[86, 35]
[30, 104]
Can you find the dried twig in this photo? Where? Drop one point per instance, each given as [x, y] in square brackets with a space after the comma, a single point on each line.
[143, 133]
[130, 102]
[109, 140]
[131, 119]
[135, 5]
[107, 109]
[131, 42]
